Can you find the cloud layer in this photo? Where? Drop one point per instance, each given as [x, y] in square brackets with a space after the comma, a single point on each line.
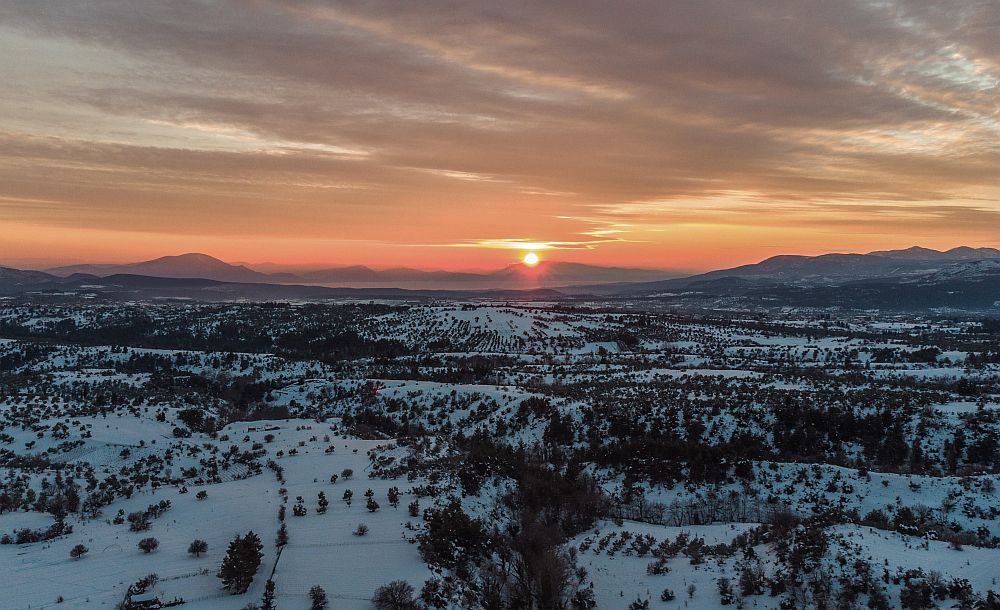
[599, 127]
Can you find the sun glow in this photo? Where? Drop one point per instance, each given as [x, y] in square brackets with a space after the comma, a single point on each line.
[530, 259]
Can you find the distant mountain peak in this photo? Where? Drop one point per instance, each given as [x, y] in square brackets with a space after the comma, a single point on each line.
[187, 265]
[517, 276]
[191, 256]
[954, 254]
[967, 253]
[914, 263]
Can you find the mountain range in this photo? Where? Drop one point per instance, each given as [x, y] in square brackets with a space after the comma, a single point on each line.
[832, 269]
[515, 277]
[911, 279]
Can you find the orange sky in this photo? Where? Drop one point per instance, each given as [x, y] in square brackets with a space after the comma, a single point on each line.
[682, 136]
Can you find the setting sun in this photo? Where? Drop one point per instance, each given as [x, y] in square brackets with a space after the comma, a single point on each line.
[530, 259]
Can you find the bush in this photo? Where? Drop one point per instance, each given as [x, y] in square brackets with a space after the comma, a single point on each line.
[138, 522]
[361, 530]
[142, 585]
[317, 598]
[148, 545]
[916, 595]
[397, 595]
[726, 594]
[198, 547]
[751, 580]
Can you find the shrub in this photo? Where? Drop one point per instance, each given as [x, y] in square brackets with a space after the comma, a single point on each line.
[317, 598]
[148, 545]
[726, 595]
[198, 547]
[397, 595]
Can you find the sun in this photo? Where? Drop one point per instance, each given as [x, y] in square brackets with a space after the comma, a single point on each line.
[530, 259]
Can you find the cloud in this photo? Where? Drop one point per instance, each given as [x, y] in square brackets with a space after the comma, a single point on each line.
[437, 123]
[531, 244]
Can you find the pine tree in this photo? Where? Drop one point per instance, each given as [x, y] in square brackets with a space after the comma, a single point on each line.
[318, 598]
[323, 503]
[241, 563]
[282, 538]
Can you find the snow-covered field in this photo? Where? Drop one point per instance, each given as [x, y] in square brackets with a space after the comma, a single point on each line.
[853, 460]
[352, 568]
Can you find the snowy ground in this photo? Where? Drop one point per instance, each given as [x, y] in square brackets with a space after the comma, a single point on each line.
[594, 378]
[351, 569]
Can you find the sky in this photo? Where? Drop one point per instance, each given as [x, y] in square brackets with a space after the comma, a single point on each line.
[674, 134]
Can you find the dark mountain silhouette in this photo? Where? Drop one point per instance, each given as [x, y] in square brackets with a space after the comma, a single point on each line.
[15, 280]
[359, 274]
[517, 276]
[911, 279]
[129, 287]
[192, 265]
[830, 269]
[961, 253]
